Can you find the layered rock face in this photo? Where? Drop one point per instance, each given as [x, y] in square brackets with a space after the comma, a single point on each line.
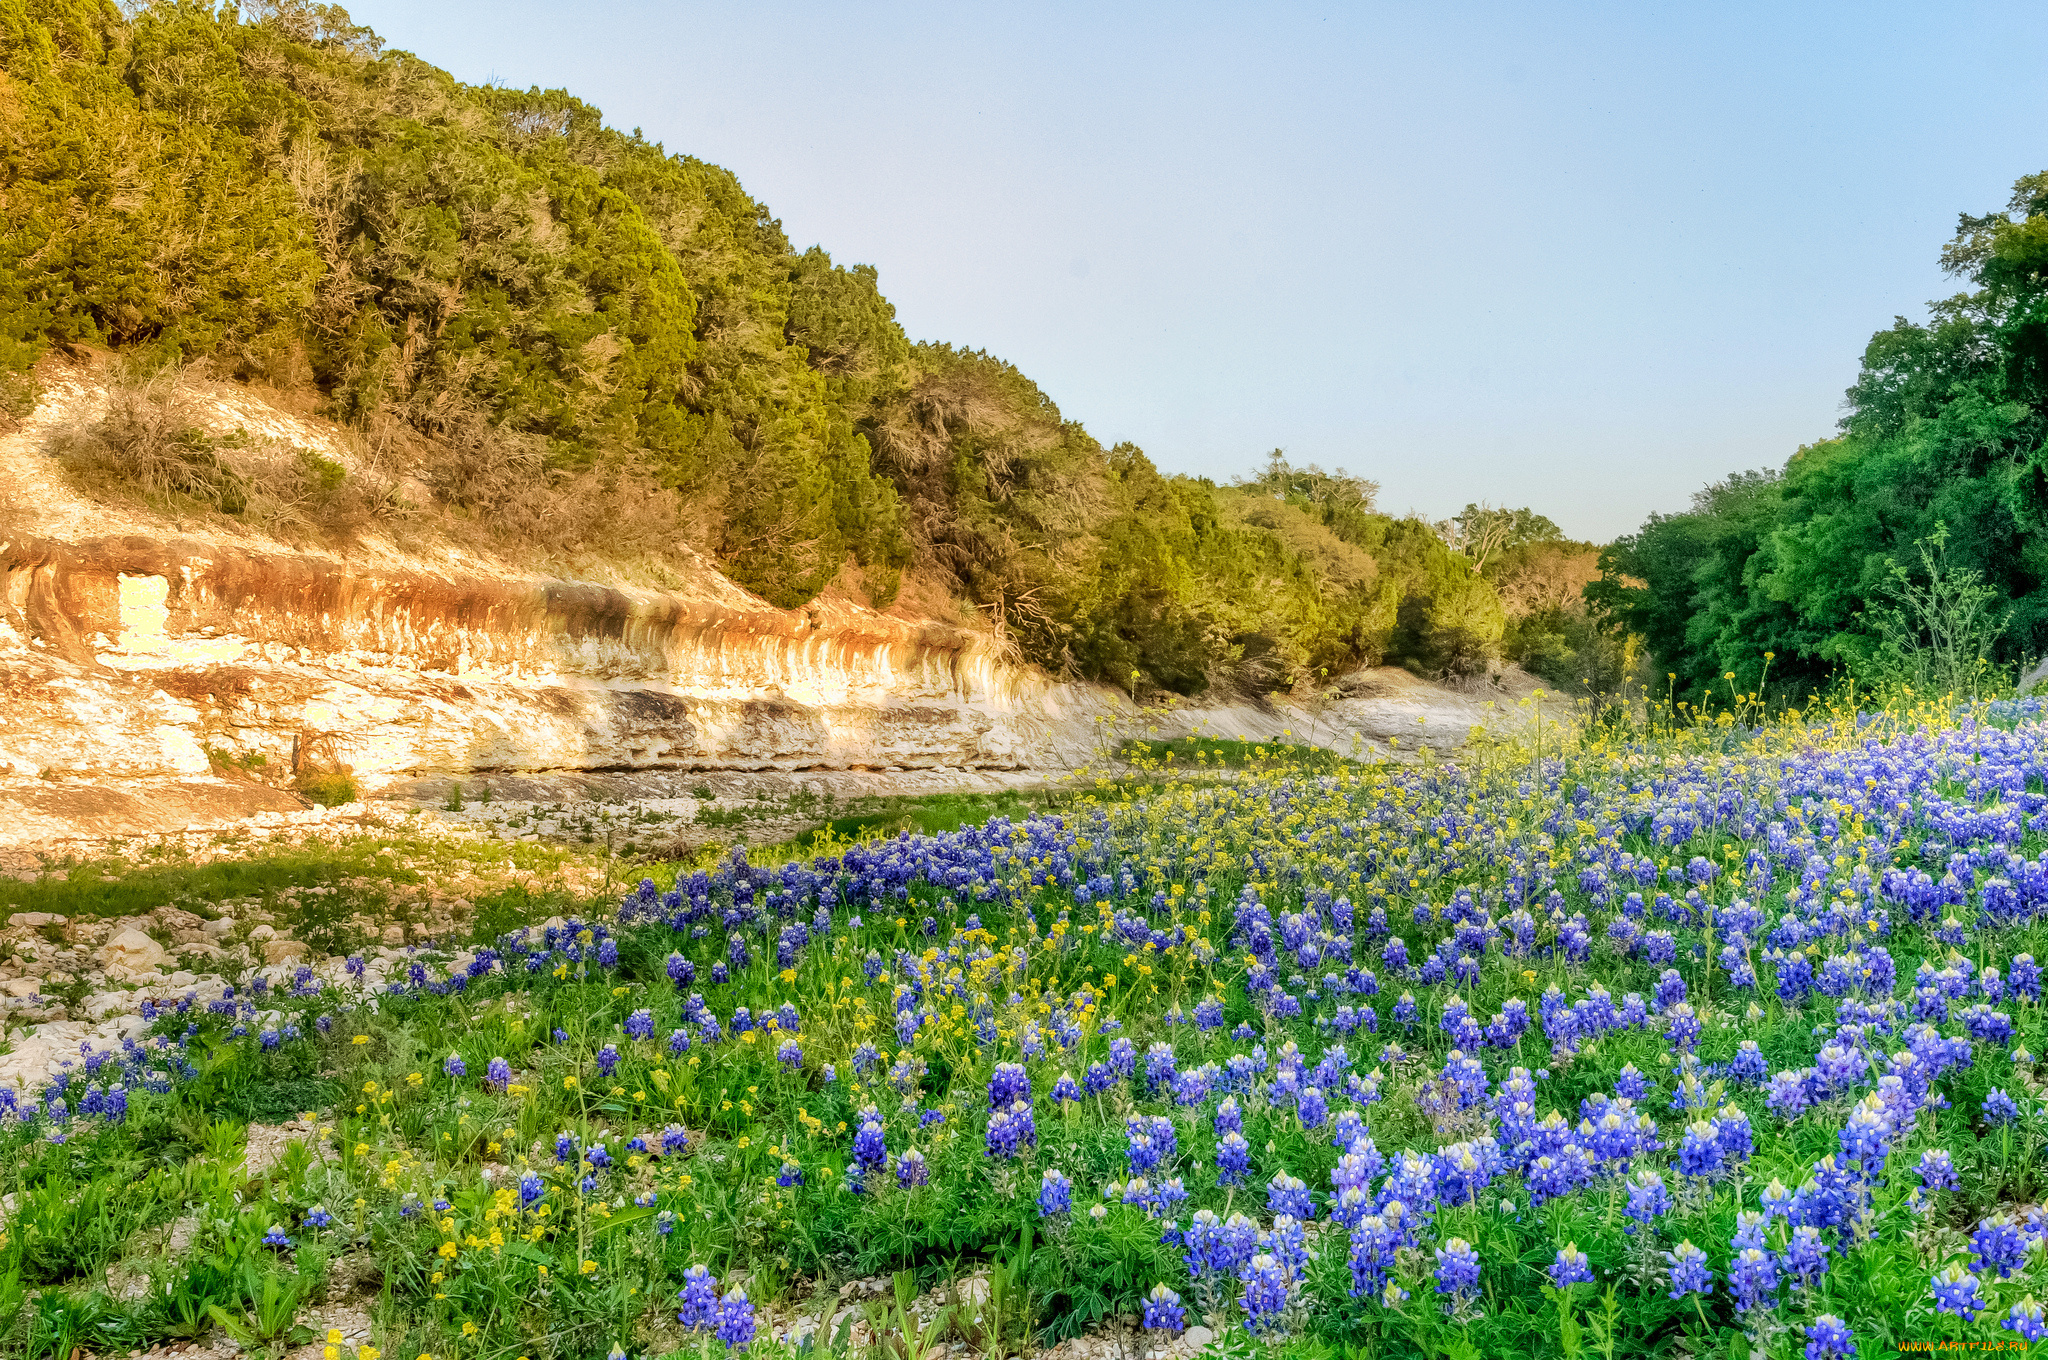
[128, 655]
[154, 675]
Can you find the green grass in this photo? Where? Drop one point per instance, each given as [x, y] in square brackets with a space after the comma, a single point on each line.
[358, 871]
[1231, 754]
[85, 891]
[328, 790]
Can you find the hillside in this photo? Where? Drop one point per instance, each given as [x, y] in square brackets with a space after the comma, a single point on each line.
[604, 358]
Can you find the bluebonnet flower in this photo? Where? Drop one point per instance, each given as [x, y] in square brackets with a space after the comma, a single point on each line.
[1219, 1248]
[276, 1238]
[1753, 1277]
[1829, 1338]
[498, 1074]
[870, 1151]
[1065, 1088]
[1123, 1057]
[1806, 1256]
[1266, 1293]
[1699, 1155]
[318, 1217]
[1683, 1027]
[1748, 1065]
[1688, 1271]
[1997, 1244]
[531, 1189]
[1867, 1136]
[911, 1170]
[1233, 1159]
[1938, 1171]
[1055, 1194]
[790, 1054]
[1011, 1131]
[2026, 1317]
[735, 1324]
[1956, 1291]
[790, 1176]
[640, 1024]
[2000, 1108]
[607, 1059]
[1571, 1267]
[1286, 1195]
[1010, 1084]
[1457, 1268]
[454, 1066]
[1163, 1311]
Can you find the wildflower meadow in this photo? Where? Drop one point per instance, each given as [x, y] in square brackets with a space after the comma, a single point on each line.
[1715, 1041]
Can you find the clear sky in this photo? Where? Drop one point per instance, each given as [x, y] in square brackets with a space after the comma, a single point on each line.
[1580, 257]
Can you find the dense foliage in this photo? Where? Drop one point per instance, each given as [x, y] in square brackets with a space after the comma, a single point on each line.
[583, 342]
[1714, 1042]
[1936, 482]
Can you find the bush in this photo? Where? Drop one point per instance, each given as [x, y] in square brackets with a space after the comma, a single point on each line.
[150, 444]
[328, 788]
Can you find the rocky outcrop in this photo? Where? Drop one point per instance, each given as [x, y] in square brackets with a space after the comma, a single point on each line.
[155, 675]
[158, 675]
[134, 656]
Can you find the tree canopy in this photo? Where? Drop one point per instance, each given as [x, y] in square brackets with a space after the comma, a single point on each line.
[1942, 440]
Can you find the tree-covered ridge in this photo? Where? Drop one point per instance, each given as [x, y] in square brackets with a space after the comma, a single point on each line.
[1937, 480]
[575, 337]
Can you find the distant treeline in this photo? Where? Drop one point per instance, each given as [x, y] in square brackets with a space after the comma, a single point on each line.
[1906, 549]
[589, 347]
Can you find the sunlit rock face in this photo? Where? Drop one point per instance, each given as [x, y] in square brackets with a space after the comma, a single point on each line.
[201, 669]
[133, 656]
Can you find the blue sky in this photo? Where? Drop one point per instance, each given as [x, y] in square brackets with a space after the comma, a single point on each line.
[1580, 257]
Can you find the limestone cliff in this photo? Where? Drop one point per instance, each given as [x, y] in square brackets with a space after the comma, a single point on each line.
[139, 655]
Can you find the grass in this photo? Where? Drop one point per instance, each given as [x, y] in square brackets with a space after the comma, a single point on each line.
[1229, 753]
[332, 891]
[329, 788]
[113, 887]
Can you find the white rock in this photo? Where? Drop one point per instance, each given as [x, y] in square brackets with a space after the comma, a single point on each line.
[131, 954]
[33, 919]
[1197, 1337]
[277, 951]
[219, 926]
[40, 1052]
